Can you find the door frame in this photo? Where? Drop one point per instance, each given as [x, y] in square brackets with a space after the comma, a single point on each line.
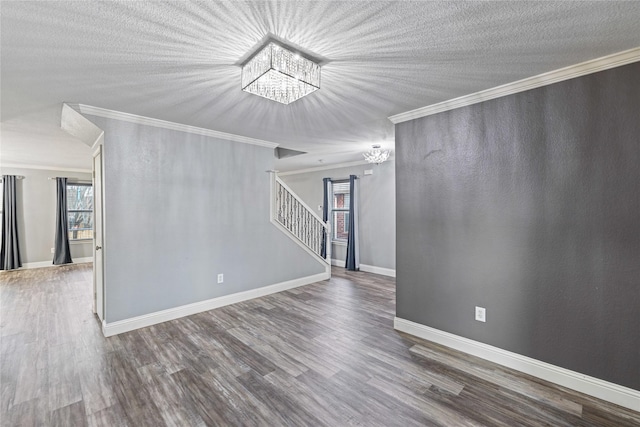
[98, 238]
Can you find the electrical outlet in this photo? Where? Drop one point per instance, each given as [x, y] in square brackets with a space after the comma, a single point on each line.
[481, 314]
[53, 250]
[220, 278]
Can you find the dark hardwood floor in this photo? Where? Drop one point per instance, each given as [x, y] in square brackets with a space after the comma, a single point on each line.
[319, 355]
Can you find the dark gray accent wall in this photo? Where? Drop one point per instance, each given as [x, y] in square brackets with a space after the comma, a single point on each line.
[529, 205]
[181, 208]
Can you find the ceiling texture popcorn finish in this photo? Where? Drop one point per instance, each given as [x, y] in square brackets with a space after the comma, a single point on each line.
[178, 61]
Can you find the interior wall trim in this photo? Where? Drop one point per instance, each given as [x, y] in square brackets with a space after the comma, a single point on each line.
[378, 270]
[595, 387]
[43, 167]
[544, 79]
[367, 268]
[315, 256]
[148, 121]
[41, 264]
[326, 167]
[77, 125]
[338, 262]
[126, 325]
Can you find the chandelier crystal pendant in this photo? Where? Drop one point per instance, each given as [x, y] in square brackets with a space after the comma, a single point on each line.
[376, 155]
[280, 75]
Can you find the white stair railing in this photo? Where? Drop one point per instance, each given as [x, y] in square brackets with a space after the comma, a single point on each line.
[292, 214]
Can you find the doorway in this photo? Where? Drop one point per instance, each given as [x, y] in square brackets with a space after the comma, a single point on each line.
[98, 261]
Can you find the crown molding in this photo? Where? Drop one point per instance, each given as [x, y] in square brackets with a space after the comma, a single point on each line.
[544, 79]
[148, 121]
[43, 167]
[327, 167]
[75, 124]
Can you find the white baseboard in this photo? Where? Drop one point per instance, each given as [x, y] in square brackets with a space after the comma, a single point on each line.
[126, 325]
[378, 270]
[595, 387]
[338, 262]
[40, 264]
[368, 268]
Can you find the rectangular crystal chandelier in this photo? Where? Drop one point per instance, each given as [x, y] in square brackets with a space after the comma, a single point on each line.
[278, 74]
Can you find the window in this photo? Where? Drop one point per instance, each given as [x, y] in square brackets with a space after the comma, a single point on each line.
[340, 210]
[80, 211]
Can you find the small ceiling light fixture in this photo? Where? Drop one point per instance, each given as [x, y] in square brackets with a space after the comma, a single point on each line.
[376, 155]
[279, 74]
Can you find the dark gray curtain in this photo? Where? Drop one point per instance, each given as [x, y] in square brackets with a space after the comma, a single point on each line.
[10, 249]
[325, 214]
[353, 255]
[62, 254]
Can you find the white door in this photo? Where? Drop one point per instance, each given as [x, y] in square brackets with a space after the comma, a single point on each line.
[98, 301]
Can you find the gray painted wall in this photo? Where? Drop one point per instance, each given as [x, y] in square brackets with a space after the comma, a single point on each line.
[529, 205]
[37, 214]
[181, 208]
[377, 208]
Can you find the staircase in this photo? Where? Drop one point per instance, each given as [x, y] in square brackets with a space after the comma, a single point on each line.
[299, 221]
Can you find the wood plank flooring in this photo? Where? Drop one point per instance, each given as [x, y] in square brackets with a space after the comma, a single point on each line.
[319, 355]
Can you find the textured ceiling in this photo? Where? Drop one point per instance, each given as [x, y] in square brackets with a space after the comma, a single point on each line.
[176, 61]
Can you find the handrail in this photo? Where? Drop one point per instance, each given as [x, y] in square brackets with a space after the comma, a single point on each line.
[311, 211]
[298, 220]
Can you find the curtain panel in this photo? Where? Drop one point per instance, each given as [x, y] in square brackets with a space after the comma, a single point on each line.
[62, 253]
[326, 182]
[353, 251]
[10, 245]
